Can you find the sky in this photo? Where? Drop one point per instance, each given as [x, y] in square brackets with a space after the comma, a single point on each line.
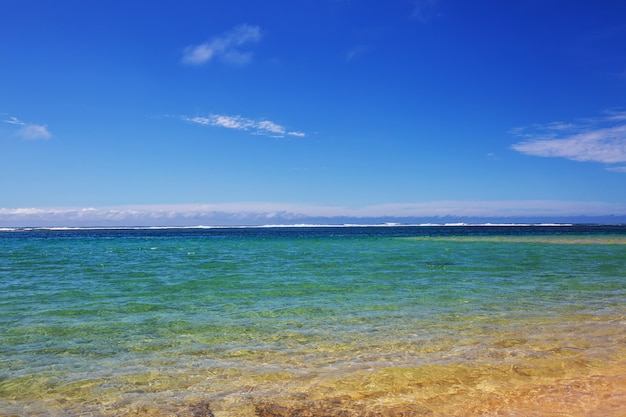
[189, 112]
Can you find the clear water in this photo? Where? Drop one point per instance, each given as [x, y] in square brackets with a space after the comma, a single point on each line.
[439, 321]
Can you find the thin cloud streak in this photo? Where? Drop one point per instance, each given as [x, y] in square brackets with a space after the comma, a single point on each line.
[424, 10]
[14, 121]
[263, 127]
[224, 47]
[594, 140]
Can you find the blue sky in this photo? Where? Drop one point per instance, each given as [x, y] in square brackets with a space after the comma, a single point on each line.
[244, 112]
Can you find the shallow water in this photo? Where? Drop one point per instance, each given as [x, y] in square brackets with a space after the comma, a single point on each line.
[439, 321]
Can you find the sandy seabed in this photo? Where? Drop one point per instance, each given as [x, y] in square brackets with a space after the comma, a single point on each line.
[545, 388]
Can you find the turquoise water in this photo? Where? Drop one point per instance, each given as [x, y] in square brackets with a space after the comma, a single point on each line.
[247, 321]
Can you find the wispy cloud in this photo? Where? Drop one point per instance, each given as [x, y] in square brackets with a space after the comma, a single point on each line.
[28, 131]
[601, 139]
[262, 127]
[225, 47]
[355, 53]
[14, 121]
[424, 10]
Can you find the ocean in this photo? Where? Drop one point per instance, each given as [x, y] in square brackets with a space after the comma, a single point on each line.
[519, 320]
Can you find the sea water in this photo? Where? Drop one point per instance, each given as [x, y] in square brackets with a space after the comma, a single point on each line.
[314, 321]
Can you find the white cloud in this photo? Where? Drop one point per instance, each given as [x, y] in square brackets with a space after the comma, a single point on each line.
[33, 132]
[278, 213]
[262, 127]
[616, 115]
[224, 47]
[268, 126]
[29, 131]
[601, 139]
[14, 121]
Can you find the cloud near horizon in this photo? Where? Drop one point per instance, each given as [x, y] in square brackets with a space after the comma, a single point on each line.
[237, 214]
[263, 127]
[28, 131]
[224, 47]
[601, 140]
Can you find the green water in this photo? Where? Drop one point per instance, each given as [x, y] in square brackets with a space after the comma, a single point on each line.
[105, 322]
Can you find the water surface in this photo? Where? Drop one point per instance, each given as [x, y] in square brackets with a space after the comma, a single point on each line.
[439, 321]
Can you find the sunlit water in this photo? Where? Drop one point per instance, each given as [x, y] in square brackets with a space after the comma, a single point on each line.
[377, 321]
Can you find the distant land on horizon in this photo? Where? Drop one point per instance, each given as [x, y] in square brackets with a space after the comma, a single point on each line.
[252, 221]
